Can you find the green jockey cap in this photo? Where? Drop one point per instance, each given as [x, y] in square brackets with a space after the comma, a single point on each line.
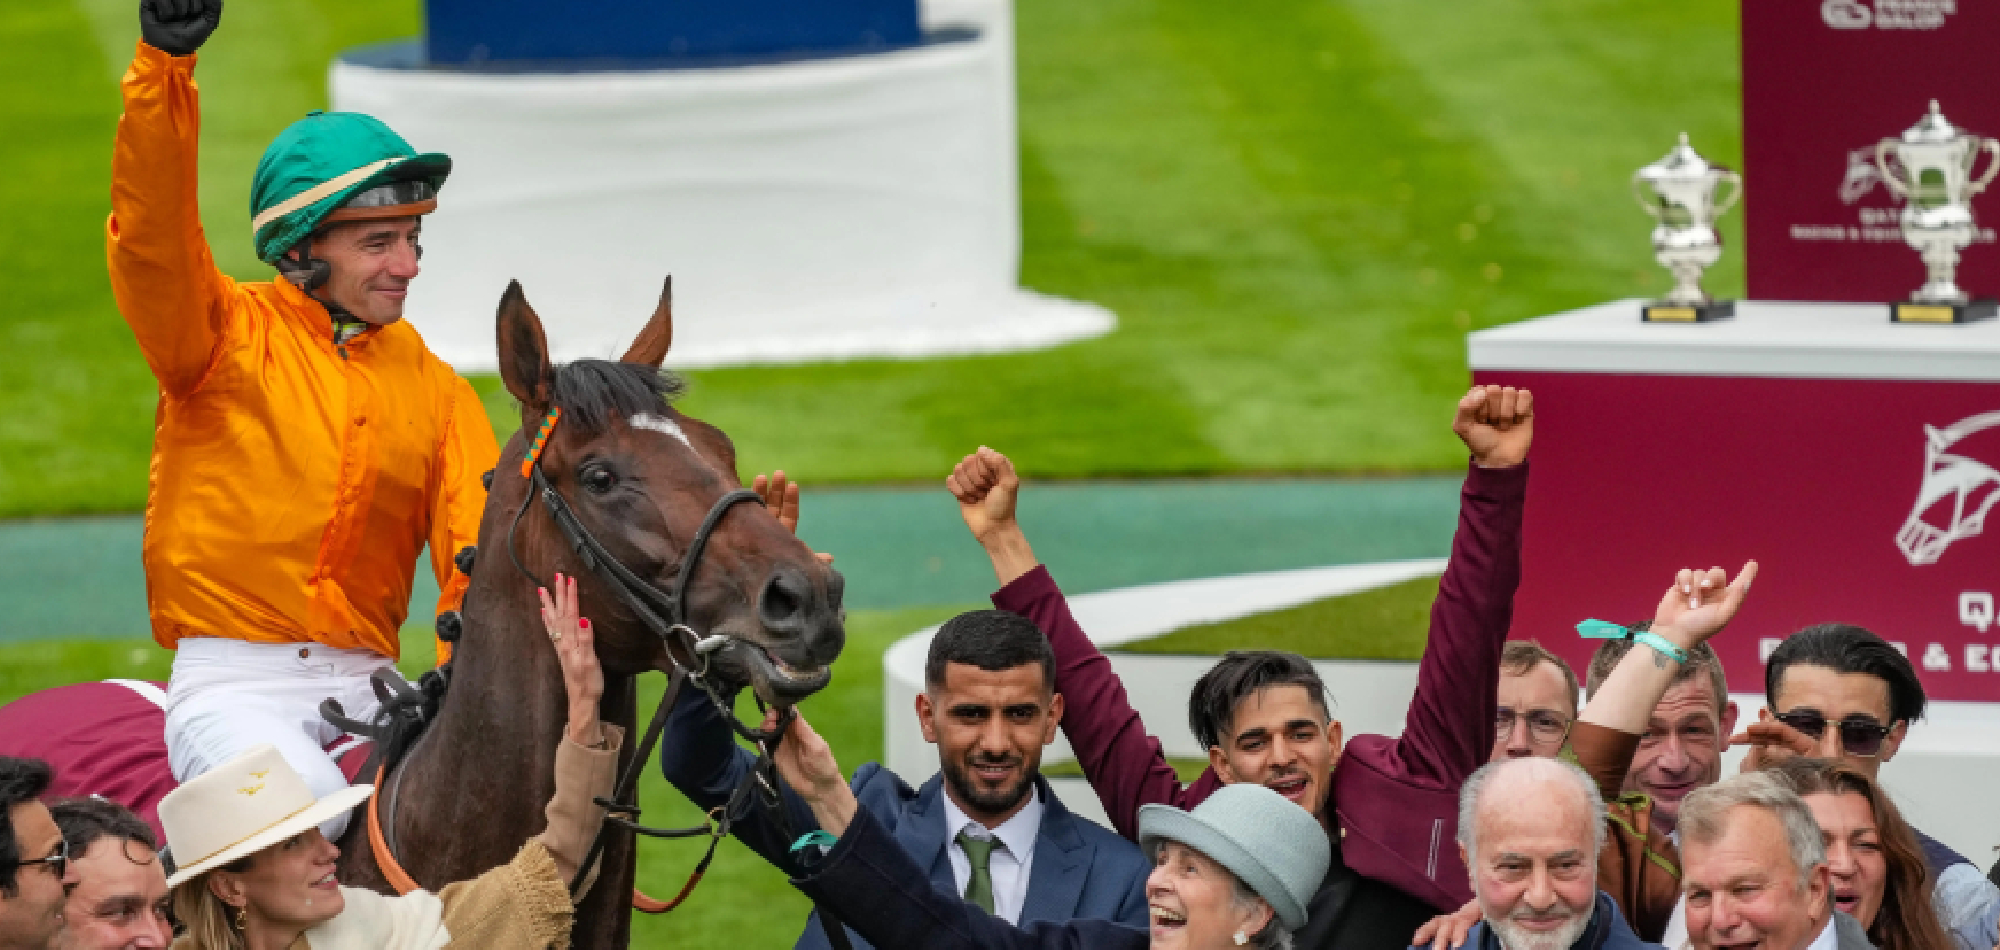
[335, 166]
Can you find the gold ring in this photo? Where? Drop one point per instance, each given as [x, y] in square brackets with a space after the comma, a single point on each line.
[555, 636]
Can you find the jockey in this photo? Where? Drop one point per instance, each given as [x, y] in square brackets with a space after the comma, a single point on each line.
[307, 445]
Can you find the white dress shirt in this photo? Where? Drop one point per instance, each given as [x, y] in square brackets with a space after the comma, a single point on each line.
[1009, 864]
[1826, 940]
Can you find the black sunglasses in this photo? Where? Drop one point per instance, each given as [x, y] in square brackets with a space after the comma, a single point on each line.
[58, 861]
[1859, 735]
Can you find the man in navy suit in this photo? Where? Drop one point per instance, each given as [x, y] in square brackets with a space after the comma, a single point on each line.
[986, 826]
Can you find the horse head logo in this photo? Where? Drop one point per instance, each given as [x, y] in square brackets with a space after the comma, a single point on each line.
[1955, 496]
[1861, 177]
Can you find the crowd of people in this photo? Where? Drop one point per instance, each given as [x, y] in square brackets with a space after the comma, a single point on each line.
[1520, 807]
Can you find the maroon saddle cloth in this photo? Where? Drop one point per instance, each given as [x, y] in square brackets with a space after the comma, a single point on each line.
[109, 739]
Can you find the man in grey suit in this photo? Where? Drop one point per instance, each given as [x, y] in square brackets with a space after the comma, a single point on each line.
[987, 827]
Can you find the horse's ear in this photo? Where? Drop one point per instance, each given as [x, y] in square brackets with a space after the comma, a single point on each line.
[650, 348]
[524, 351]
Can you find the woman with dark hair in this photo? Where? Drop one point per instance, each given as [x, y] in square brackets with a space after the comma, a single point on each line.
[1880, 877]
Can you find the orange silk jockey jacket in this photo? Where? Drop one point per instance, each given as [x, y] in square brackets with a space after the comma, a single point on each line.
[293, 481]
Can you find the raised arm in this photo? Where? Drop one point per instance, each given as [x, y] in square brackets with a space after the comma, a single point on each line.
[1448, 731]
[162, 274]
[1123, 763]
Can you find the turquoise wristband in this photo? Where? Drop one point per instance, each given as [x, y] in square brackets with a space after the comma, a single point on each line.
[1606, 630]
[814, 837]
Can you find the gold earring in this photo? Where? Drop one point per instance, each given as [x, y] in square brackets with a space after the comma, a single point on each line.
[243, 917]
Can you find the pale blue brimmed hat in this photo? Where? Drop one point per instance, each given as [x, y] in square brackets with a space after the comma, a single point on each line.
[1270, 843]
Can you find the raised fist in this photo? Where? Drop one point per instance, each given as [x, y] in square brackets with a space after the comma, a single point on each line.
[1497, 423]
[985, 485]
[178, 27]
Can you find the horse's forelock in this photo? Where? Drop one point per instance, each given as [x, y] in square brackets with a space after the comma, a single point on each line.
[593, 393]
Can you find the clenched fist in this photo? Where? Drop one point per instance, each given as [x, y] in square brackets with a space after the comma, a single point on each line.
[1497, 423]
[178, 27]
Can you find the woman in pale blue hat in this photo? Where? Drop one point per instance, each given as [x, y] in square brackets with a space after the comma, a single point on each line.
[1237, 871]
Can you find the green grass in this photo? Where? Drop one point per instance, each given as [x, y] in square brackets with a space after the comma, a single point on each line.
[1297, 211]
[742, 902]
[1387, 623]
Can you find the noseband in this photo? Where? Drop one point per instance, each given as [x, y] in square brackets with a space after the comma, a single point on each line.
[665, 614]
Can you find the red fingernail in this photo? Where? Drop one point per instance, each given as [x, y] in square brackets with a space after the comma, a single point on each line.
[585, 623]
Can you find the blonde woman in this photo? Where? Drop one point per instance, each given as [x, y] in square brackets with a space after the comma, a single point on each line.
[256, 874]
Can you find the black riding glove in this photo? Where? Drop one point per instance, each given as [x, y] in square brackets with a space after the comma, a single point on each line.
[178, 27]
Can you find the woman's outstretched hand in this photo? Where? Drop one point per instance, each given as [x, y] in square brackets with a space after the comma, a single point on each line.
[576, 650]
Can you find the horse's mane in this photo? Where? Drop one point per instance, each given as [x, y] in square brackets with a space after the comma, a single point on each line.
[591, 393]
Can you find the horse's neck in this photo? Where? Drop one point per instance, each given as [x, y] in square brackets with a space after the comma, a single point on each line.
[474, 788]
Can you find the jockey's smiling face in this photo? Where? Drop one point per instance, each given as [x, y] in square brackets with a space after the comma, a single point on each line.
[1280, 738]
[373, 264]
[288, 886]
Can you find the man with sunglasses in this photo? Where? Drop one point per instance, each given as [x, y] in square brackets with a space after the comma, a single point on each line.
[34, 861]
[307, 445]
[1838, 691]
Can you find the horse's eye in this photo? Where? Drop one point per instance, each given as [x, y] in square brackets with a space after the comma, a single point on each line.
[598, 479]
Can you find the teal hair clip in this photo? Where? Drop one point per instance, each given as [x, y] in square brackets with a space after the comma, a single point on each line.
[817, 836]
[1606, 630]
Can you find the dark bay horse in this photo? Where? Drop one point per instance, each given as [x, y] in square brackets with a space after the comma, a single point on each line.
[640, 477]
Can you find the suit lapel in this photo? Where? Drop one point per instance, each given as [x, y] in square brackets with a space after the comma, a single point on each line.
[922, 833]
[1062, 863]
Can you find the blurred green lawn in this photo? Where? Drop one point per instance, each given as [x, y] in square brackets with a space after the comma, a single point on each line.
[1297, 209]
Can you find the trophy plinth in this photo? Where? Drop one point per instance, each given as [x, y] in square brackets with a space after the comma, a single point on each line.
[1932, 171]
[1681, 192]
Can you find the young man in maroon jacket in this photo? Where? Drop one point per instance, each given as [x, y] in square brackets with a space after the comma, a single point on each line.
[1390, 807]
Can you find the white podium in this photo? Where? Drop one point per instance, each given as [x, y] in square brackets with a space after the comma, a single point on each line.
[827, 208]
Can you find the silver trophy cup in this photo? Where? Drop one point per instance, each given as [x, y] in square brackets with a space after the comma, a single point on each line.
[1684, 194]
[1930, 168]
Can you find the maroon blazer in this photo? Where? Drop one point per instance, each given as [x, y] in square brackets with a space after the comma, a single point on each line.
[1395, 799]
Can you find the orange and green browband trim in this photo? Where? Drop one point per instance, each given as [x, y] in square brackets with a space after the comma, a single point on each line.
[541, 440]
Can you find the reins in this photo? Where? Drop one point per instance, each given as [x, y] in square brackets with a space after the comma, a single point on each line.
[665, 615]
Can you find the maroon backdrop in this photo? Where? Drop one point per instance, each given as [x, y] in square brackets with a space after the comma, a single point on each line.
[1823, 81]
[1638, 476]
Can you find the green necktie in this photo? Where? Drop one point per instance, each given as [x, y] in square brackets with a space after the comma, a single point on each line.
[979, 889]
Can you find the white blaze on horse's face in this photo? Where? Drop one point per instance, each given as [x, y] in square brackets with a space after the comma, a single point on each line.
[647, 420]
[1958, 488]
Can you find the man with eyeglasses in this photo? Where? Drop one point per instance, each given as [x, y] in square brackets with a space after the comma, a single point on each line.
[1537, 702]
[34, 860]
[1838, 691]
[307, 445]
[119, 901]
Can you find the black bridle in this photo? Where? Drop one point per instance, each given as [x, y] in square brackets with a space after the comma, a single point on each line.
[665, 614]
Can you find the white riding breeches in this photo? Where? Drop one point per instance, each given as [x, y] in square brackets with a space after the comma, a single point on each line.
[226, 696]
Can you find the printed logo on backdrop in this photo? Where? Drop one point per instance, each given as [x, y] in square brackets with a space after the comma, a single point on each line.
[1886, 14]
[1874, 223]
[1957, 492]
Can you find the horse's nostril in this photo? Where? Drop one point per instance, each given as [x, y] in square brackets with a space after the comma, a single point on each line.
[782, 606]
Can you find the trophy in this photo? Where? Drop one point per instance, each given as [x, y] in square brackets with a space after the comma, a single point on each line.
[1680, 192]
[1932, 173]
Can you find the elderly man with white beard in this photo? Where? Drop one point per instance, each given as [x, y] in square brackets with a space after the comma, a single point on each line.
[1530, 830]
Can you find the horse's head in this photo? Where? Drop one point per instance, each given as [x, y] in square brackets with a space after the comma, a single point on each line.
[1955, 496]
[640, 477]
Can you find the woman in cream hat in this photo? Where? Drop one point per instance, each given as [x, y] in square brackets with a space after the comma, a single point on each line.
[1236, 871]
[256, 874]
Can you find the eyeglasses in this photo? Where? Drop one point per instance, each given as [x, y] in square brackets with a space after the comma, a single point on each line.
[1859, 735]
[58, 861]
[1543, 726]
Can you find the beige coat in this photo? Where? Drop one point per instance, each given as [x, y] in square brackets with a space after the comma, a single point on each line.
[521, 905]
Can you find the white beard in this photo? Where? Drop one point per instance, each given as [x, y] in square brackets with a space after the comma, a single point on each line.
[1515, 937]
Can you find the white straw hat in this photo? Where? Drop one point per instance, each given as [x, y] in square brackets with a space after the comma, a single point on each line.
[241, 807]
